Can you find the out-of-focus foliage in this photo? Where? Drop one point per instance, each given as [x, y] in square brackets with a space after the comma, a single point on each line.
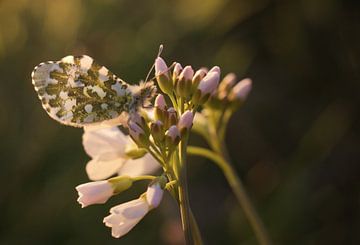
[295, 142]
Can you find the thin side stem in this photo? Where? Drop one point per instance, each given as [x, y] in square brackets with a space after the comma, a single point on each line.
[144, 177]
[238, 189]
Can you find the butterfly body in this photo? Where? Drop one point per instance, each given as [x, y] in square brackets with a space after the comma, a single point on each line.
[77, 91]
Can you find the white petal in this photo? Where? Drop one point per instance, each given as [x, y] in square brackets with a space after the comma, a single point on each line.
[125, 216]
[154, 195]
[104, 143]
[94, 193]
[99, 169]
[141, 166]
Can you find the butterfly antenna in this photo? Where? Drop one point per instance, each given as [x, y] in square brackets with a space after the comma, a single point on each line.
[153, 65]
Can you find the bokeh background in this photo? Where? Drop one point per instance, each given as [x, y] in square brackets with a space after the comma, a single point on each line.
[295, 142]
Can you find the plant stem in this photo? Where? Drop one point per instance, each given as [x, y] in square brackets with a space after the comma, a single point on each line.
[143, 177]
[238, 189]
[195, 230]
[183, 194]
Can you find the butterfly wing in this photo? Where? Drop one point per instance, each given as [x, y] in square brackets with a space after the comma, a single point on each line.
[77, 91]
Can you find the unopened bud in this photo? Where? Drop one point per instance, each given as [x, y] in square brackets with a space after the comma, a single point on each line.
[154, 194]
[177, 69]
[140, 120]
[225, 85]
[171, 117]
[162, 75]
[172, 136]
[241, 90]
[138, 135]
[120, 183]
[157, 131]
[215, 69]
[160, 108]
[207, 86]
[185, 122]
[160, 102]
[183, 85]
[199, 75]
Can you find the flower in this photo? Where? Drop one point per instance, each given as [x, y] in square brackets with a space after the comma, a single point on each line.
[125, 216]
[106, 147]
[94, 193]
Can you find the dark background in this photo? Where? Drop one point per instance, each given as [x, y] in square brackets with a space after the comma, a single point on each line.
[295, 142]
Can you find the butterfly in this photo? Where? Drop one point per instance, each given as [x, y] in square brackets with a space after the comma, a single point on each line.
[77, 91]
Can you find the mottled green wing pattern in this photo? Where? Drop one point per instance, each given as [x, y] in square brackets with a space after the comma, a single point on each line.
[77, 91]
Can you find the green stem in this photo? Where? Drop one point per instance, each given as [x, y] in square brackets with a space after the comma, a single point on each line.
[143, 177]
[195, 230]
[238, 189]
[183, 194]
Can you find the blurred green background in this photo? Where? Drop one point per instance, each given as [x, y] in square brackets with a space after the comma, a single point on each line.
[295, 142]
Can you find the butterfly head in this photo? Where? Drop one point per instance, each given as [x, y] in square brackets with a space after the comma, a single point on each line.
[143, 94]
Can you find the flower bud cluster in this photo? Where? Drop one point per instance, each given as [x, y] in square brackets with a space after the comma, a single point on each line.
[229, 92]
[165, 130]
[185, 83]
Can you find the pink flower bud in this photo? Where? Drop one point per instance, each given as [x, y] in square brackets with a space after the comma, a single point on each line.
[215, 69]
[186, 120]
[162, 76]
[227, 82]
[171, 117]
[172, 136]
[184, 83]
[135, 131]
[209, 82]
[157, 130]
[160, 67]
[241, 90]
[199, 75]
[160, 102]
[187, 73]
[154, 195]
[225, 85]
[177, 69]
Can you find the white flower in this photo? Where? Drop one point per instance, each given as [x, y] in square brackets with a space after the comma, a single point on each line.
[94, 193]
[106, 146]
[125, 216]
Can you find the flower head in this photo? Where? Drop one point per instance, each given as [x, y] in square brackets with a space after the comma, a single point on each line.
[94, 193]
[125, 216]
[106, 146]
